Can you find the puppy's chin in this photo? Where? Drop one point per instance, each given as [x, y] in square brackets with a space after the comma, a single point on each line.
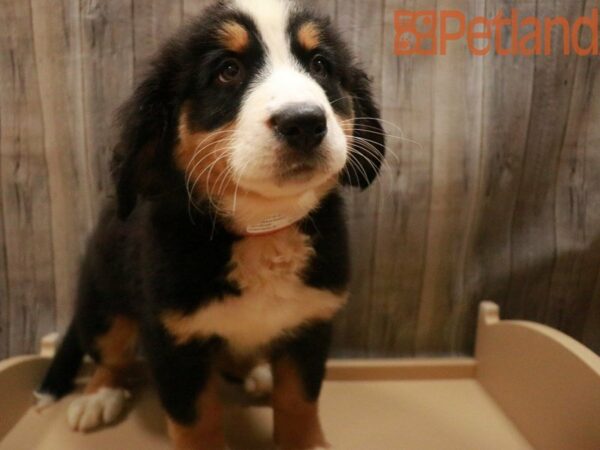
[291, 182]
[289, 176]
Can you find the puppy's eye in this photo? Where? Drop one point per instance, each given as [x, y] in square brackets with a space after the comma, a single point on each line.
[231, 72]
[319, 67]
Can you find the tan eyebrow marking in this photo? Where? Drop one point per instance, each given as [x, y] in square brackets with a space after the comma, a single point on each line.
[234, 37]
[309, 36]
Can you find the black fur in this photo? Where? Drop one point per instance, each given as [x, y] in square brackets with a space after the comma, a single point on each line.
[65, 365]
[182, 74]
[181, 371]
[151, 253]
[308, 348]
[349, 91]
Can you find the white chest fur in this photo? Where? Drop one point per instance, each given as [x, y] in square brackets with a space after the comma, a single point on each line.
[274, 298]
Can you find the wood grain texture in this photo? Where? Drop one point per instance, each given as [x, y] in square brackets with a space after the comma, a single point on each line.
[456, 134]
[534, 228]
[191, 8]
[56, 31]
[491, 187]
[508, 87]
[107, 52]
[585, 119]
[407, 106]
[575, 276]
[25, 191]
[4, 293]
[359, 23]
[155, 21]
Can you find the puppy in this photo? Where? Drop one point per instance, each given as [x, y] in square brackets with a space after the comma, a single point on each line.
[225, 242]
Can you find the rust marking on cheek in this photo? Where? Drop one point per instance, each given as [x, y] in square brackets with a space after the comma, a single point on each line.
[234, 37]
[202, 157]
[309, 36]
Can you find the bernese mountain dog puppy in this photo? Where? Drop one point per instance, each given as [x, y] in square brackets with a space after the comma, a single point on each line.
[225, 244]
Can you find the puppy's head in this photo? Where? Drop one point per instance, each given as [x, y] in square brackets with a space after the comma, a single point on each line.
[256, 99]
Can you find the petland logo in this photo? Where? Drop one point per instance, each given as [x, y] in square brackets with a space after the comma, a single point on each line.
[429, 32]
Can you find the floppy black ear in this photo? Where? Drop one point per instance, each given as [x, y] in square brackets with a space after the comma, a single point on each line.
[368, 144]
[141, 157]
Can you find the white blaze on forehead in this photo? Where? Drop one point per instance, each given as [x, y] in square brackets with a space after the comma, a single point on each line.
[271, 18]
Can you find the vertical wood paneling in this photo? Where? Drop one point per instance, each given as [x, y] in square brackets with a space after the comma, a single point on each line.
[491, 187]
[24, 177]
[578, 202]
[4, 293]
[508, 85]
[590, 143]
[456, 135]
[327, 7]
[108, 71]
[56, 31]
[407, 101]
[155, 21]
[591, 330]
[192, 8]
[367, 43]
[533, 231]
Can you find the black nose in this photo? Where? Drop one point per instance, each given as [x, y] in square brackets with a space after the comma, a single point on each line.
[302, 126]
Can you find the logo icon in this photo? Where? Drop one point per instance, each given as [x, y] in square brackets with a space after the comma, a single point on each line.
[416, 32]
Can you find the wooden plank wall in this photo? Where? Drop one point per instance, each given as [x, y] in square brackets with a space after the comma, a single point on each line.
[491, 189]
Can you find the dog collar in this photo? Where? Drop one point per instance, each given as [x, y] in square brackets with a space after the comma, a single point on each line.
[271, 224]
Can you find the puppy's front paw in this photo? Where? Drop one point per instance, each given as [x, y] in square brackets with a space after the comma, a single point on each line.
[94, 410]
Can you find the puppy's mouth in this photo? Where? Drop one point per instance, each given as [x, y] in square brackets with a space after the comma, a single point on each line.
[298, 171]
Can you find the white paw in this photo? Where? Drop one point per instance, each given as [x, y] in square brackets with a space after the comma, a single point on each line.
[43, 401]
[259, 381]
[94, 410]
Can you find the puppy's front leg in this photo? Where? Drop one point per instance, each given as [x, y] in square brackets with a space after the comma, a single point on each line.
[188, 389]
[205, 431]
[298, 372]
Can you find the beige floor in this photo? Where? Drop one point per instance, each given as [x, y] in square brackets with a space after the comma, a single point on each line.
[381, 415]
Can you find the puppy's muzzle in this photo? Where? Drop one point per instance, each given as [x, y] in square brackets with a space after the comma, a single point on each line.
[302, 126]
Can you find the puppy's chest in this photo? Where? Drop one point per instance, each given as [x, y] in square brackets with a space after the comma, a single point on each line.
[274, 298]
